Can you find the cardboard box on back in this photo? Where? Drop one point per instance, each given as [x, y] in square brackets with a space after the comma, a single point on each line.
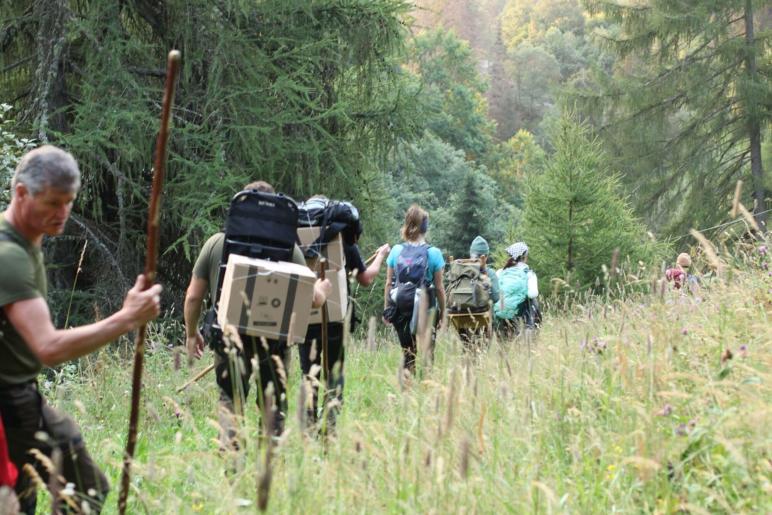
[333, 251]
[337, 302]
[259, 297]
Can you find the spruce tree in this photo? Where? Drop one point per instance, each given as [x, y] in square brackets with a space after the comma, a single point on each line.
[694, 78]
[575, 215]
[306, 95]
[468, 215]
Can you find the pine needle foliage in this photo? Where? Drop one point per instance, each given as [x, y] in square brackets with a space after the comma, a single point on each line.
[306, 95]
[575, 216]
[689, 101]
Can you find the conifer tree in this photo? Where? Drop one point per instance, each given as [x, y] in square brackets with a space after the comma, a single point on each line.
[697, 73]
[469, 214]
[574, 215]
[306, 95]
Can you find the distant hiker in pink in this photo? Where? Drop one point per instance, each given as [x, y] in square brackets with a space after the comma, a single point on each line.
[680, 276]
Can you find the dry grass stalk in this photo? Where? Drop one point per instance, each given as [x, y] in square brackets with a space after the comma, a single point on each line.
[709, 249]
[480, 433]
[291, 329]
[464, 462]
[748, 217]
[8, 502]
[371, 325]
[264, 478]
[302, 400]
[36, 482]
[423, 329]
[280, 371]
[451, 408]
[736, 201]
[614, 263]
[54, 482]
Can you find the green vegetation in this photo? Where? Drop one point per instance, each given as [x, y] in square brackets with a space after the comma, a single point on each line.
[633, 406]
[581, 127]
[574, 213]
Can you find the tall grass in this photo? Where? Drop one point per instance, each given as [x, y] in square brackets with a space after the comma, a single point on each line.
[615, 406]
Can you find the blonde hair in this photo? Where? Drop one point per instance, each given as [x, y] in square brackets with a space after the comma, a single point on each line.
[684, 260]
[260, 186]
[414, 219]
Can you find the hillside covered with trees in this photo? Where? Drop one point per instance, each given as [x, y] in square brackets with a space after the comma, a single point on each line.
[455, 105]
[609, 135]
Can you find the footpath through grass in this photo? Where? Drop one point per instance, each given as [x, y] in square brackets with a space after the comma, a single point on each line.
[659, 404]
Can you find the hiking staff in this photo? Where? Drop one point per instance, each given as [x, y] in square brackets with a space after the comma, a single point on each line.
[151, 256]
[371, 258]
[325, 321]
[196, 377]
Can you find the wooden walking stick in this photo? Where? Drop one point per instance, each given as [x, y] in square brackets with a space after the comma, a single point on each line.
[172, 66]
[325, 320]
[196, 377]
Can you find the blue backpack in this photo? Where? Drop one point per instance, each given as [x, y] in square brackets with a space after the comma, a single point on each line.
[410, 275]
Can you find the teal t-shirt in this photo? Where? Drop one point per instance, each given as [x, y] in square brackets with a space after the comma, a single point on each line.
[436, 261]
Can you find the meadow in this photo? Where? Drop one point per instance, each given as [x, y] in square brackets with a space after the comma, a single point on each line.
[656, 403]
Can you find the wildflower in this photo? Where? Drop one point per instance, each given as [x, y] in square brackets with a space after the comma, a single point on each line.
[743, 351]
[666, 410]
[684, 331]
[763, 250]
[681, 430]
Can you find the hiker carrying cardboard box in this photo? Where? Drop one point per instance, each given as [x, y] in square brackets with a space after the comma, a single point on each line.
[263, 225]
[331, 229]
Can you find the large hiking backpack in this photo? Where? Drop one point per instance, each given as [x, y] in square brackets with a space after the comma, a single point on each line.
[469, 288]
[410, 276]
[259, 225]
[334, 217]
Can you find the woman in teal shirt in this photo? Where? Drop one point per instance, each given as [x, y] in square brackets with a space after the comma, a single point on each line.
[416, 256]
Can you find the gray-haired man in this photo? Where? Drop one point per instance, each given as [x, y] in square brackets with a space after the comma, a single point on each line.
[44, 187]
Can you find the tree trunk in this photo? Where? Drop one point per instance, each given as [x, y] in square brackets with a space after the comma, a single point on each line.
[49, 87]
[754, 127]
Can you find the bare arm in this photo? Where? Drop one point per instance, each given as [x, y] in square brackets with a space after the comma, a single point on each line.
[194, 300]
[367, 277]
[32, 320]
[439, 286]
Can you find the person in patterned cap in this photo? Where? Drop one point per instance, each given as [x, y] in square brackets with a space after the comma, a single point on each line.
[519, 288]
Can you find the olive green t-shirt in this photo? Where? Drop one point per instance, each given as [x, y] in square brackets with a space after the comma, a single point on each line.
[22, 277]
[208, 262]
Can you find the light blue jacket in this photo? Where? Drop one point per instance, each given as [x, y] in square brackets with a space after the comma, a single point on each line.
[513, 286]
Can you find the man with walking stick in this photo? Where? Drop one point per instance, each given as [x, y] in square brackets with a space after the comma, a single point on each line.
[43, 190]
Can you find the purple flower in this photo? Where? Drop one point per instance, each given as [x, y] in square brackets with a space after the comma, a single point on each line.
[743, 350]
[763, 250]
[684, 331]
[681, 430]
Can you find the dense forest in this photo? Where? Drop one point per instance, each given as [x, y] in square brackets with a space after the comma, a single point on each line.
[581, 127]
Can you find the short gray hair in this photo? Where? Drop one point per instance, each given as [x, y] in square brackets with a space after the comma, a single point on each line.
[47, 166]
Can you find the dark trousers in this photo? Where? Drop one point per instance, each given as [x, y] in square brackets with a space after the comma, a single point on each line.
[233, 368]
[528, 316]
[26, 415]
[311, 354]
[408, 341]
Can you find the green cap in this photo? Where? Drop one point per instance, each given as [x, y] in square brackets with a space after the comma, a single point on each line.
[479, 247]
